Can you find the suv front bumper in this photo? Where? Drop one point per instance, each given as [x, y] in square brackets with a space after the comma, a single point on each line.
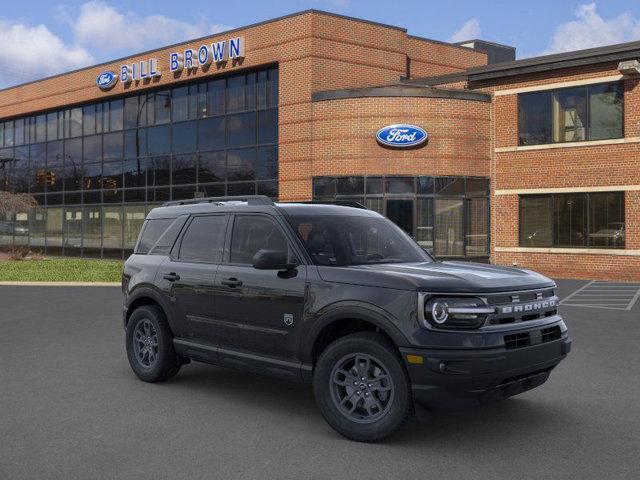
[449, 379]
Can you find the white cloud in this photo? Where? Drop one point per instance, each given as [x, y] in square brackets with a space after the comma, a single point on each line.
[104, 29]
[28, 52]
[469, 31]
[591, 30]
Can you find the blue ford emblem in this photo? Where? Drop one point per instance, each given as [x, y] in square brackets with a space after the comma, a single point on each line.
[106, 80]
[401, 136]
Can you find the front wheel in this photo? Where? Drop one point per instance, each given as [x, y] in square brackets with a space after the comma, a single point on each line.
[362, 387]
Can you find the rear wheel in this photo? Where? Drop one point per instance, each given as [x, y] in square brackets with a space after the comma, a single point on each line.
[150, 345]
[362, 388]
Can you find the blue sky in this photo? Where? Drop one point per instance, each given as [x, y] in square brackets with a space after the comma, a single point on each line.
[43, 37]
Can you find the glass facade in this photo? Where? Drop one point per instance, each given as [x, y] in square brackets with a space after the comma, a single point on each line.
[448, 216]
[573, 220]
[95, 170]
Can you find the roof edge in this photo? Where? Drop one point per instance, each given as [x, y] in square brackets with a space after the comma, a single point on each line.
[399, 90]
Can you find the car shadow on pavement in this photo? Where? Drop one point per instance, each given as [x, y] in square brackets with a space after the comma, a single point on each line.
[291, 401]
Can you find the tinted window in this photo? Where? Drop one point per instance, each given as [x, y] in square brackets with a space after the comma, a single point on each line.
[536, 215]
[204, 239]
[151, 233]
[252, 233]
[339, 240]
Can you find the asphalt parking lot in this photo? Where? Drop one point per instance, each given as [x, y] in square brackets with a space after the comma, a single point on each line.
[70, 408]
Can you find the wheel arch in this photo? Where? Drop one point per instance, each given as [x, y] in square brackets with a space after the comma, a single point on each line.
[144, 296]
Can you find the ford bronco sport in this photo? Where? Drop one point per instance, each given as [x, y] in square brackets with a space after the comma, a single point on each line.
[339, 297]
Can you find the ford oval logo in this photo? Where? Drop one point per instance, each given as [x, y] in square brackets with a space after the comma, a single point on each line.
[106, 80]
[401, 136]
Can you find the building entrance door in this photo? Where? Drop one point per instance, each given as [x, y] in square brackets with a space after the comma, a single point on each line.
[400, 212]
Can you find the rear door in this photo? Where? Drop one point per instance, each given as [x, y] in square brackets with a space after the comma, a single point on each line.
[189, 274]
[258, 310]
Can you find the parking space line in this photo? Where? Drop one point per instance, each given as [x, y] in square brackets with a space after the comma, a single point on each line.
[576, 292]
[612, 296]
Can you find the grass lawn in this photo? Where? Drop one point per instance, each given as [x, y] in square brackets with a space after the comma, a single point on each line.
[61, 270]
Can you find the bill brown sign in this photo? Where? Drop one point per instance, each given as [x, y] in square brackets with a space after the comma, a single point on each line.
[189, 59]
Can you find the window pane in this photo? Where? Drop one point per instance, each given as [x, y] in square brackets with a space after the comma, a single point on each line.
[268, 126]
[37, 227]
[72, 230]
[112, 227]
[8, 134]
[102, 117]
[250, 91]
[204, 239]
[424, 226]
[41, 129]
[267, 163]
[89, 120]
[92, 229]
[477, 187]
[180, 102]
[245, 188]
[184, 137]
[449, 185]
[241, 164]
[131, 112]
[252, 233]
[376, 204]
[211, 167]
[52, 126]
[570, 115]
[400, 185]
[135, 172]
[162, 107]
[261, 88]
[211, 133]
[184, 169]
[478, 226]
[215, 95]
[115, 115]
[449, 227]
[570, 217]
[112, 175]
[536, 217]
[133, 220]
[235, 93]
[92, 176]
[21, 169]
[158, 140]
[241, 129]
[112, 146]
[607, 220]
[38, 166]
[350, 186]
[75, 122]
[55, 174]
[534, 118]
[606, 104]
[161, 171]
[135, 143]
[54, 229]
[92, 148]
[425, 185]
[272, 88]
[270, 189]
[324, 187]
[374, 185]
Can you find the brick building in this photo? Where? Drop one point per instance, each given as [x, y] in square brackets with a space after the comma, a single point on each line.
[513, 170]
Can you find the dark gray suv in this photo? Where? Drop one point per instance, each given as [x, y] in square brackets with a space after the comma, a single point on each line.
[337, 296]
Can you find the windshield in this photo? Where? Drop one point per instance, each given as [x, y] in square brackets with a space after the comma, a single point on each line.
[339, 240]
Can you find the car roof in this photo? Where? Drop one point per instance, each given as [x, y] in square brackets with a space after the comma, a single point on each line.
[280, 208]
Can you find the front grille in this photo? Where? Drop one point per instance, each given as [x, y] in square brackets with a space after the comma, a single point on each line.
[522, 306]
[517, 340]
[551, 333]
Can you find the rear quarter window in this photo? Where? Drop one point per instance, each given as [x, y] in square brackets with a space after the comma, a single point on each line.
[151, 233]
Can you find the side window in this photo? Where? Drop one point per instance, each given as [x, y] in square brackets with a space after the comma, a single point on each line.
[204, 239]
[168, 238]
[151, 232]
[252, 233]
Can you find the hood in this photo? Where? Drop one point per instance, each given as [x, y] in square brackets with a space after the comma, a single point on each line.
[462, 277]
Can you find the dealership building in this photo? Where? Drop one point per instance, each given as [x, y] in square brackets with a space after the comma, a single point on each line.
[533, 162]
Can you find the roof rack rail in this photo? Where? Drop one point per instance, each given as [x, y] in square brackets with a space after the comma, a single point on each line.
[342, 203]
[250, 199]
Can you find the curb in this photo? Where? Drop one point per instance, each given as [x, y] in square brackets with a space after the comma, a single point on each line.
[61, 284]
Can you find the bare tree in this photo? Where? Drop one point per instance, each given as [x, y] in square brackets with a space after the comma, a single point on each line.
[16, 202]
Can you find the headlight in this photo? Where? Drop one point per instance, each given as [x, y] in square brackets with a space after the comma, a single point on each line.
[452, 312]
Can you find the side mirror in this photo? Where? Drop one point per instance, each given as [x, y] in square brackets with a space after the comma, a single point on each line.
[272, 260]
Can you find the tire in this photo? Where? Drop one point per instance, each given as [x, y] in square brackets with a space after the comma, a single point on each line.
[153, 358]
[384, 403]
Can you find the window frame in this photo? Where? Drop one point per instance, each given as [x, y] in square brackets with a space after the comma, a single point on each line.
[552, 93]
[553, 232]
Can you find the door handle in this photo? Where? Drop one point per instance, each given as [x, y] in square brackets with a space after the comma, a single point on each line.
[172, 277]
[232, 282]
